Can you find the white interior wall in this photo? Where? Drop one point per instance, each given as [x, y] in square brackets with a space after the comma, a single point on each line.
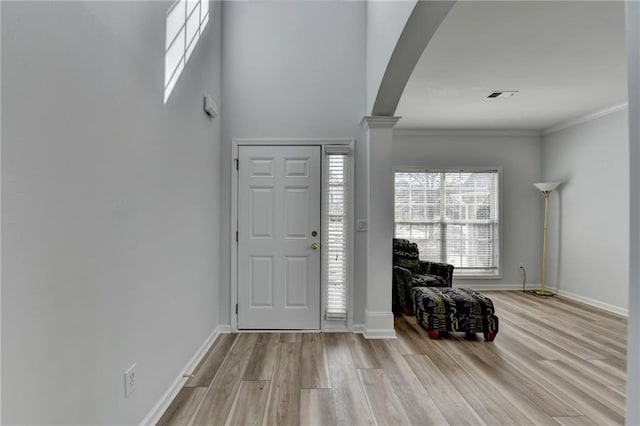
[385, 22]
[588, 250]
[298, 73]
[0, 212]
[520, 157]
[110, 207]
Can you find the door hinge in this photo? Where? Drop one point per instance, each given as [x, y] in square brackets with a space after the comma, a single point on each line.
[236, 236]
[236, 309]
[237, 163]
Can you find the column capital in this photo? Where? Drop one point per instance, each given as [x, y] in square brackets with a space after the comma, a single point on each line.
[379, 122]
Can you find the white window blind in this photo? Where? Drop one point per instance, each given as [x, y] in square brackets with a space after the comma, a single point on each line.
[452, 216]
[335, 241]
[186, 21]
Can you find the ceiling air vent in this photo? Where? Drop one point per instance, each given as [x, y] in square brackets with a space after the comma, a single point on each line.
[502, 94]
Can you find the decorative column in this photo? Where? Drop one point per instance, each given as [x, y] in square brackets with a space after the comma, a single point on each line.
[377, 136]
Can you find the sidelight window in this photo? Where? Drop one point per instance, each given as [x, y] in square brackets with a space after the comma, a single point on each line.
[335, 244]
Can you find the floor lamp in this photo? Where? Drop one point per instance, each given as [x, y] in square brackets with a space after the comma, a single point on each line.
[546, 188]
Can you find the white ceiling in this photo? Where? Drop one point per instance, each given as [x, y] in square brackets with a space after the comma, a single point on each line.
[567, 59]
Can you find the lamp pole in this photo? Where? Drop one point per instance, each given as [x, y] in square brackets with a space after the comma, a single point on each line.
[546, 189]
[543, 290]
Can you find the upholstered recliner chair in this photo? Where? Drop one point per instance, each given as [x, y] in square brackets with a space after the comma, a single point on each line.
[409, 272]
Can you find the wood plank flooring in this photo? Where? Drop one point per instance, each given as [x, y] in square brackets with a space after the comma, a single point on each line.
[554, 362]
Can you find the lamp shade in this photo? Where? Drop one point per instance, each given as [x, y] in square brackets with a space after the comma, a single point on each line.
[546, 186]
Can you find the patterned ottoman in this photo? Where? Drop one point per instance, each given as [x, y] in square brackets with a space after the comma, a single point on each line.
[444, 309]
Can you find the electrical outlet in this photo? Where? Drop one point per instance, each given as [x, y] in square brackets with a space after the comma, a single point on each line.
[522, 265]
[129, 381]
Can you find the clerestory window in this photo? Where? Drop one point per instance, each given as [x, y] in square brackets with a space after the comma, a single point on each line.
[186, 21]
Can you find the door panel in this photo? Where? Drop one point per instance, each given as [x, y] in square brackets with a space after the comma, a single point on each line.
[261, 206]
[296, 200]
[278, 209]
[295, 285]
[261, 281]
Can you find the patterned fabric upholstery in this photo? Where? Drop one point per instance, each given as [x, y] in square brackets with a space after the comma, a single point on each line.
[461, 309]
[409, 272]
[405, 255]
[443, 272]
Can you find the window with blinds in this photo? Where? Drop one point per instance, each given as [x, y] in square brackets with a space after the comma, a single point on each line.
[453, 217]
[186, 21]
[335, 241]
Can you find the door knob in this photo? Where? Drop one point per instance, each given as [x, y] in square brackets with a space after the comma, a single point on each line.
[314, 246]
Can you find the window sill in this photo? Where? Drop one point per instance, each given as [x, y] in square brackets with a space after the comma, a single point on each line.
[477, 277]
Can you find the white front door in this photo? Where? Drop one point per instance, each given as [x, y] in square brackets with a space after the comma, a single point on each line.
[279, 237]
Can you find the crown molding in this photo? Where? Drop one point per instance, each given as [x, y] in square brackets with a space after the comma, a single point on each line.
[379, 122]
[458, 132]
[586, 118]
[496, 132]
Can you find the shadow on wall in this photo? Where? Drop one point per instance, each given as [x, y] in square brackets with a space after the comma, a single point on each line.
[558, 242]
[556, 220]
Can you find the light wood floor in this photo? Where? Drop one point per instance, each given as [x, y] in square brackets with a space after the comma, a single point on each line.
[553, 362]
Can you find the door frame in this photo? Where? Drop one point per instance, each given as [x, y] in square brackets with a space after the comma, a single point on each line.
[233, 293]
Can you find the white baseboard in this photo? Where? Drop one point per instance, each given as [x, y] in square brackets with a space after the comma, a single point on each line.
[334, 326]
[380, 334]
[161, 406]
[591, 302]
[379, 325]
[373, 334]
[358, 328]
[224, 329]
[378, 320]
[535, 286]
[274, 331]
